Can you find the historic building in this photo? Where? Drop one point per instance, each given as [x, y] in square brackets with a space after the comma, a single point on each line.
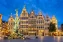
[11, 23]
[47, 21]
[32, 20]
[0, 19]
[31, 23]
[40, 21]
[23, 19]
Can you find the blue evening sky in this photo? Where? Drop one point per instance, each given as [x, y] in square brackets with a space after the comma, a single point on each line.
[50, 7]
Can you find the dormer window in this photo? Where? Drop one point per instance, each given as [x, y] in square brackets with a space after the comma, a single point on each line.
[47, 20]
[32, 16]
[39, 17]
[11, 19]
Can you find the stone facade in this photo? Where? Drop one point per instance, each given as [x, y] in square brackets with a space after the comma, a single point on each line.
[32, 23]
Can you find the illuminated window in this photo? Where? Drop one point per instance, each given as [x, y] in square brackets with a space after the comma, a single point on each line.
[41, 26]
[37, 27]
[26, 21]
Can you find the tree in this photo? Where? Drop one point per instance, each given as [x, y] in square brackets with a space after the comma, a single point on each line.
[52, 27]
[61, 27]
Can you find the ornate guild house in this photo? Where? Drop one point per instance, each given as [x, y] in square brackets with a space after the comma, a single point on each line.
[31, 24]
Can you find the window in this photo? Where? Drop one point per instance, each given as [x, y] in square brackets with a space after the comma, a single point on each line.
[23, 18]
[47, 20]
[32, 17]
[22, 22]
[26, 21]
[39, 22]
[19, 23]
[39, 18]
[37, 27]
[42, 21]
[11, 23]
[41, 26]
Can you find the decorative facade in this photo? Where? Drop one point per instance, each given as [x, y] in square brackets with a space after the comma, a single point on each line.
[32, 23]
[0, 19]
[23, 19]
[11, 22]
[40, 22]
[32, 20]
[47, 21]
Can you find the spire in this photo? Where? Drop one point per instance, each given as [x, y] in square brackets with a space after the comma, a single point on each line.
[40, 13]
[47, 16]
[32, 12]
[53, 17]
[11, 18]
[24, 9]
[11, 15]
[24, 12]
[16, 12]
